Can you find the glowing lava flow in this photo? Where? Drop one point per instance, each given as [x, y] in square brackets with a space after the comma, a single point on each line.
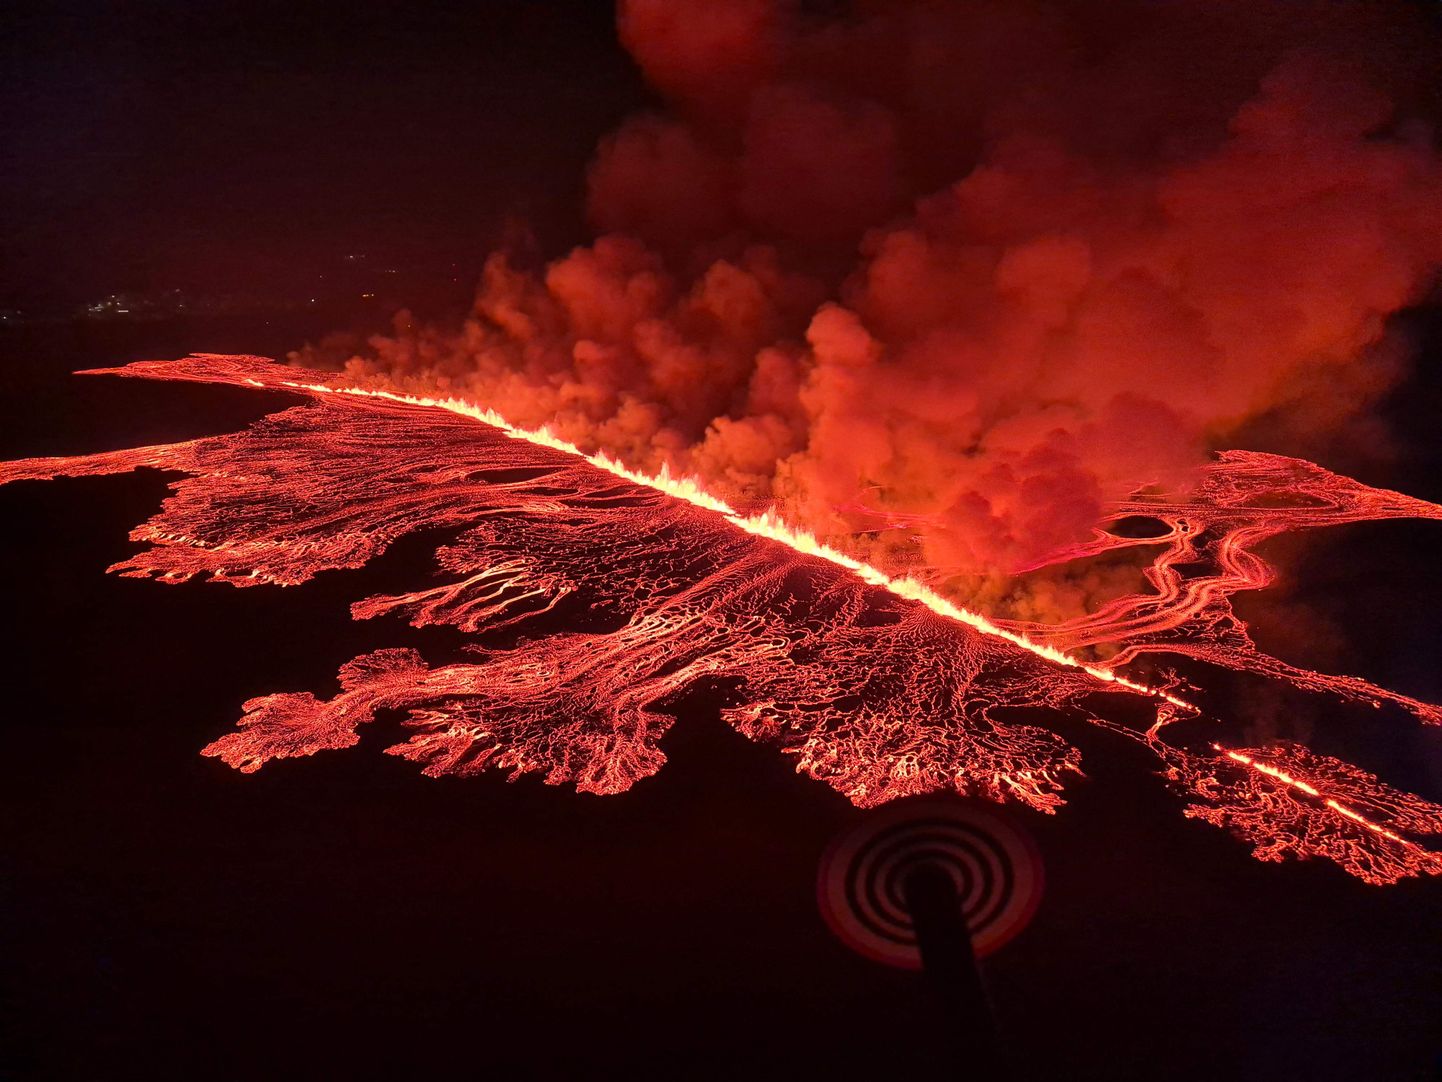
[768, 525]
[632, 589]
[1207, 544]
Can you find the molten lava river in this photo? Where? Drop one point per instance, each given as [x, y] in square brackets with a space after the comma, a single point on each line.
[876, 685]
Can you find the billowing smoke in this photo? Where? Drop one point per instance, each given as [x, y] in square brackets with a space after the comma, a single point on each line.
[943, 279]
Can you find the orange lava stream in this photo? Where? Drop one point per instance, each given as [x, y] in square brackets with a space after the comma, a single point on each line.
[1207, 554]
[767, 525]
[1312, 791]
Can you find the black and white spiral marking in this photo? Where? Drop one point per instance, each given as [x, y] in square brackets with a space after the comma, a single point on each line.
[995, 868]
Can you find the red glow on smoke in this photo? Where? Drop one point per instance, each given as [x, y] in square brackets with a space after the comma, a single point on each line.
[984, 268]
[873, 684]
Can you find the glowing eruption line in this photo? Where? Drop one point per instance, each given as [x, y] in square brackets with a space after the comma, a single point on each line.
[1312, 791]
[766, 525]
[313, 489]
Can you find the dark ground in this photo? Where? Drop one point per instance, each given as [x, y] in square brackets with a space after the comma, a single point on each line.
[343, 916]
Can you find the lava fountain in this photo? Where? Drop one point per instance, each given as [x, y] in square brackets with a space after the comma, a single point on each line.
[875, 685]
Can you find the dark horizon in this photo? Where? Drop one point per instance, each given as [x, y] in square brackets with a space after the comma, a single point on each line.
[243, 146]
[234, 147]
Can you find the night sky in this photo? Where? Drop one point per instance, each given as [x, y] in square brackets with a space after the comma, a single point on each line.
[162, 916]
[217, 145]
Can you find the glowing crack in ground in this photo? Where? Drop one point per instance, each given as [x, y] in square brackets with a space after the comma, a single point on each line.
[876, 685]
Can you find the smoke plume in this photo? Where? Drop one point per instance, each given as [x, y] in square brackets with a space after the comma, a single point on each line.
[942, 280]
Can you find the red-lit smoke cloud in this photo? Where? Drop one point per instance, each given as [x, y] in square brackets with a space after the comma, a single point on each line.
[945, 278]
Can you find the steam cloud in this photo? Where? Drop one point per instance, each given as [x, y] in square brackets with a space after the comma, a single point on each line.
[944, 279]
